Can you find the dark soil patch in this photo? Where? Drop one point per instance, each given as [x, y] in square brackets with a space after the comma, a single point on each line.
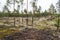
[32, 34]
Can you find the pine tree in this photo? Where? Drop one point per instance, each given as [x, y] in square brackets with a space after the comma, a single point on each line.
[52, 10]
[58, 7]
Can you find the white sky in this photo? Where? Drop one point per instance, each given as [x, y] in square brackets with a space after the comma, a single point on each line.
[43, 3]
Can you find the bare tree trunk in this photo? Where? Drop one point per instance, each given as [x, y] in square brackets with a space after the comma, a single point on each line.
[58, 22]
[22, 16]
[32, 20]
[3, 18]
[14, 21]
[27, 16]
[14, 12]
[18, 13]
[19, 18]
[33, 14]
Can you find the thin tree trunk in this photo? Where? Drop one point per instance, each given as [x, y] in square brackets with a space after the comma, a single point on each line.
[19, 17]
[3, 18]
[14, 12]
[14, 21]
[27, 16]
[32, 20]
[58, 22]
[18, 13]
[22, 16]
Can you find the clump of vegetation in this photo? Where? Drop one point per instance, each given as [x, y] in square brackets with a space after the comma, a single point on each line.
[57, 22]
[6, 31]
